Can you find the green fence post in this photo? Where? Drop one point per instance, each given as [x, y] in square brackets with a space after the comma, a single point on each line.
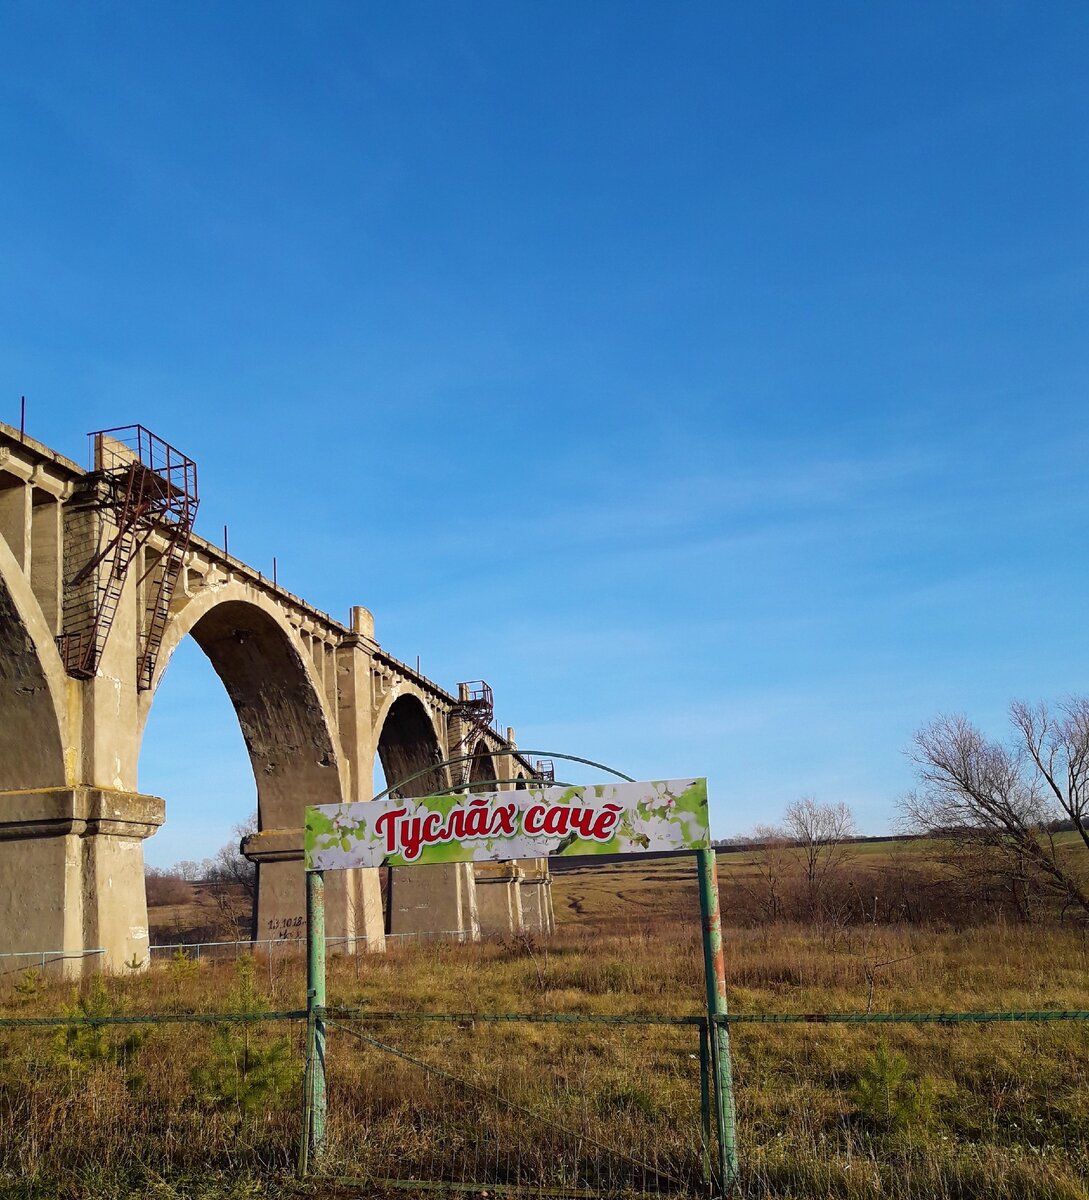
[715, 974]
[315, 1006]
[705, 1109]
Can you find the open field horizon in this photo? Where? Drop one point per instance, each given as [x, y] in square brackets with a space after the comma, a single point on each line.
[875, 880]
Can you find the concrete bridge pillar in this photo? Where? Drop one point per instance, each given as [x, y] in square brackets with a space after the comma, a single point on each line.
[72, 874]
[434, 901]
[538, 916]
[499, 898]
[353, 900]
[72, 821]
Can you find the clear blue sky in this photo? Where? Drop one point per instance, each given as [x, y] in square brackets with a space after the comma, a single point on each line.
[709, 378]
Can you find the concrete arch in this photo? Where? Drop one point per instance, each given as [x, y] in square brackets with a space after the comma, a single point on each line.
[482, 768]
[33, 689]
[421, 899]
[407, 740]
[292, 741]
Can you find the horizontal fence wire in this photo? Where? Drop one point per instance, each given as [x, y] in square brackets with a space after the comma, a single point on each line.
[203, 1018]
[362, 1014]
[901, 1018]
[830, 1018]
[15, 962]
[52, 954]
[283, 946]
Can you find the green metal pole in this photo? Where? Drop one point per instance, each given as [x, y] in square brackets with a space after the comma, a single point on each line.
[715, 974]
[315, 1006]
[705, 1109]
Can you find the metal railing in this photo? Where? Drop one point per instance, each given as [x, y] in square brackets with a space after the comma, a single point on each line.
[297, 945]
[45, 957]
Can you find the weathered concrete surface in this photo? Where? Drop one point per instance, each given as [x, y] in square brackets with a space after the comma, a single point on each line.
[436, 900]
[499, 898]
[538, 916]
[316, 702]
[353, 899]
[72, 872]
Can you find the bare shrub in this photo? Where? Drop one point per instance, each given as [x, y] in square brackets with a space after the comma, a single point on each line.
[821, 831]
[163, 887]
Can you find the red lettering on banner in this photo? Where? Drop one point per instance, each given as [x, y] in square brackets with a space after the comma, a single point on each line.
[408, 831]
[410, 837]
[476, 822]
[582, 822]
[557, 820]
[455, 826]
[389, 820]
[533, 821]
[503, 819]
[605, 822]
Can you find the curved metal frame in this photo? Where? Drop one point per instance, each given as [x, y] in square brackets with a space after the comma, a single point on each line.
[449, 762]
[488, 783]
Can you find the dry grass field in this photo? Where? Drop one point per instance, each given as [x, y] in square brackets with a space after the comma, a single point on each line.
[823, 1111]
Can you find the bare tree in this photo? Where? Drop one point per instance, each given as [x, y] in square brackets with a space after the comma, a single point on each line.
[189, 870]
[771, 862]
[229, 865]
[1059, 749]
[998, 805]
[163, 886]
[820, 831]
[232, 883]
[811, 839]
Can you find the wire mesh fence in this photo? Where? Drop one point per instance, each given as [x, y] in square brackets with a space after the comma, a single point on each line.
[944, 1108]
[533, 1104]
[888, 1104]
[846, 1105]
[184, 1095]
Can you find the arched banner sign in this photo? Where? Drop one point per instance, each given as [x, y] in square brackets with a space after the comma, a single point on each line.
[537, 822]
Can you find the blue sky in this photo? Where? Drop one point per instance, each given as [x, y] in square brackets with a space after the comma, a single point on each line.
[710, 380]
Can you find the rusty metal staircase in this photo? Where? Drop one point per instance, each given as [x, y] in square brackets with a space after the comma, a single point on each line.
[475, 710]
[157, 612]
[140, 491]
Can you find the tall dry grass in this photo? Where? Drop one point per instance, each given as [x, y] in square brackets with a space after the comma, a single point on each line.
[823, 1111]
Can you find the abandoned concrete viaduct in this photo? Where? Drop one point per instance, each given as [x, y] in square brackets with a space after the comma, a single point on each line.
[101, 577]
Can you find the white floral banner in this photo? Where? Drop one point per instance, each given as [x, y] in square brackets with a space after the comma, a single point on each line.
[539, 822]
